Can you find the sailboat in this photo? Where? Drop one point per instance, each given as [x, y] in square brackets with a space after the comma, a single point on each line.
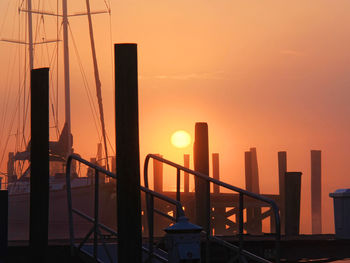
[18, 185]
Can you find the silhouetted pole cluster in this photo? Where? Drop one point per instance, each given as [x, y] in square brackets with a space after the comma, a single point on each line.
[39, 165]
[127, 159]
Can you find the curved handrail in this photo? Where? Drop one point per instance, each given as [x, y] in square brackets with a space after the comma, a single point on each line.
[95, 230]
[241, 192]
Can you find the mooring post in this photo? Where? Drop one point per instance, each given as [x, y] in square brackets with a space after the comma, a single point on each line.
[128, 158]
[3, 224]
[282, 169]
[254, 223]
[292, 203]
[158, 175]
[201, 164]
[216, 171]
[219, 211]
[186, 175]
[316, 201]
[39, 165]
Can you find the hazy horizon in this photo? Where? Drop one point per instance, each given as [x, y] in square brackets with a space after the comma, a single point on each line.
[266, 74]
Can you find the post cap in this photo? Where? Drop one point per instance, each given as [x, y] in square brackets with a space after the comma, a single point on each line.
[340, 193]
[183, 226]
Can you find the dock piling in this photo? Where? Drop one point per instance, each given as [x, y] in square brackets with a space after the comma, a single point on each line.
[186, 175]
[39, 165]
[201, 164]
[316, 202]
[282, 169]
[292, 203]
[128, 156]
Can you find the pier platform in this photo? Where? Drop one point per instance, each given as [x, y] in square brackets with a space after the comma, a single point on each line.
[302, 248]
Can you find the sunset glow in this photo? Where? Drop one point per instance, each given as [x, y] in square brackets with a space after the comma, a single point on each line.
[181, 139]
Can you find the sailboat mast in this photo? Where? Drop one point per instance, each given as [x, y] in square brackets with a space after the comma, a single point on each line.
[30, 34]
[66, 73]
[97, 81]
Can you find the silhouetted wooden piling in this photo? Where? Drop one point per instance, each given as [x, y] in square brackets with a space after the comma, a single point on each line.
[158, 175]
[128, 159]
[316, 190]
[39, 161]
[216, 171]
[114, 169]
[219, 211]
[3, 224]
[186, 175]
[201, 164]
[254, 224]
[292, 203]
[282, 169]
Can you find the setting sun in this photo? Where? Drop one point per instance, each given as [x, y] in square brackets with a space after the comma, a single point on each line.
[181, 139]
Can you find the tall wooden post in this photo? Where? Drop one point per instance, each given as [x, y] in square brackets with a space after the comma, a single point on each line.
[3, 224]
[216, 171]
[158, 175]
[316, 191]
[186, 175]
[201, 164]
[292, 203]
[254, 223]
[219, 211]
[114, 168]
[127, 159]
[39, 165]
[282, 169]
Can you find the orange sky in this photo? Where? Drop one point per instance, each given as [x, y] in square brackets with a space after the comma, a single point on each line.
[266, 74]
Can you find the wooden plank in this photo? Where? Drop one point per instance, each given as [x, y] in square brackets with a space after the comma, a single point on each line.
[201, 164]
[128, 156]
[316, 192]
[282, 169]
[39, 165]
[292, 203]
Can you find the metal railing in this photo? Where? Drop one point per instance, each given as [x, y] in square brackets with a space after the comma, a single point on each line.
[95, 230]
[241, 192]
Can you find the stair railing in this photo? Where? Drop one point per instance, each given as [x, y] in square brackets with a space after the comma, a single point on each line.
[95, 230]
[241, 192]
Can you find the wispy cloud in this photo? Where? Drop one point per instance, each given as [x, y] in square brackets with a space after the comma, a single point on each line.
[188, 76]
[291, 52]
